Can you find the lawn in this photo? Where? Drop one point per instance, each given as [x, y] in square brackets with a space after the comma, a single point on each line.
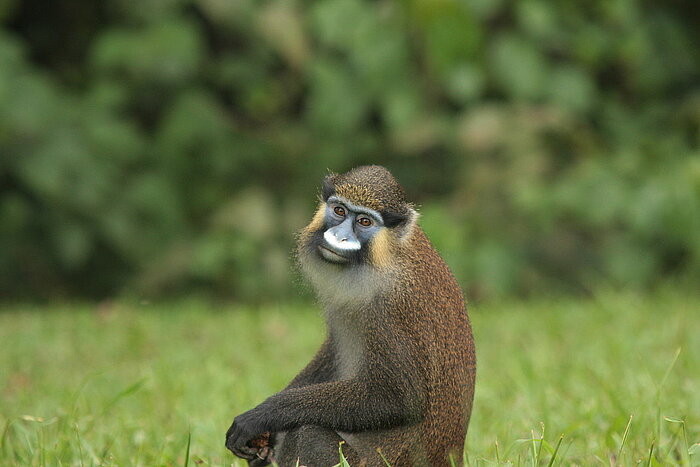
[615, 377]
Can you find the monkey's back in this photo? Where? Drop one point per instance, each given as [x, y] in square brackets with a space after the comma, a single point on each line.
[444, 346]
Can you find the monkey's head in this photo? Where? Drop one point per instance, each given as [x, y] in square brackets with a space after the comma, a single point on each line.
[362, 223]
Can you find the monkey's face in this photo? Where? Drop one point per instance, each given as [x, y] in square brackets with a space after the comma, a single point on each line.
[346, 231]
[354, 246]
[363, 220]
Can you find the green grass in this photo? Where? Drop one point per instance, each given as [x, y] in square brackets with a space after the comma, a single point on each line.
[613, 380]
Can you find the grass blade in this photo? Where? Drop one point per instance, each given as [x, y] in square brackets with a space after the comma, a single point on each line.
[624, 438]
[465, 458]
[556, 450]
[381, 454]
[658, 392]
[343, 460]
[651, 453]
[122, 394]
[535, 459]
[80, 444]
[187, 451]
[5, 434]
[685, 450]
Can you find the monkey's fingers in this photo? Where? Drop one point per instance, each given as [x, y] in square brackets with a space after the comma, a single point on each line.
[258, 462]
[245, 452]
[261, 441]
[263, 457]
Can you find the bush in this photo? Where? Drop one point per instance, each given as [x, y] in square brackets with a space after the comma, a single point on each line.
[175, 147]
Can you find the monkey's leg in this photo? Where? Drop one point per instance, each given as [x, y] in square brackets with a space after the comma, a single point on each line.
[313, 446]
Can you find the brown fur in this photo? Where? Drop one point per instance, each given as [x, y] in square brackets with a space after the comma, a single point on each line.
[414, 323]
[371, 186]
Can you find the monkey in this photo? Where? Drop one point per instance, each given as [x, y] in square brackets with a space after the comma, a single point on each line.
[393, 382]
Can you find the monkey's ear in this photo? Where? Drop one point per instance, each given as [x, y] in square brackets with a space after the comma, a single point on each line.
[394, 219]
[328, 187]
[401, 223]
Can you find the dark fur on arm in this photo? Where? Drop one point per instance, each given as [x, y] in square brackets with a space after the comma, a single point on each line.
[363, 403]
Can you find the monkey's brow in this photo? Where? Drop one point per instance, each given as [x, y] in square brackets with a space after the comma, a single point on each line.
[355, 208]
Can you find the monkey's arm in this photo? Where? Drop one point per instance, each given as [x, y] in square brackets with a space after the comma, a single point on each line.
[320, 369]
[359, 404]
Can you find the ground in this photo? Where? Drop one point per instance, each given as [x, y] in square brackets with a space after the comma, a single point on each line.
[616, 374]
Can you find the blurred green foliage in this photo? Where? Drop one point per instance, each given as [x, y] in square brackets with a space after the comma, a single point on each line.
[174, 146]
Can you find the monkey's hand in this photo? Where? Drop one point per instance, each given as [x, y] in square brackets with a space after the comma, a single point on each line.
[245, 435]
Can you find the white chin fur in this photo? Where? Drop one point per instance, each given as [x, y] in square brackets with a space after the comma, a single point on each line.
[337, 286]
[330, 256]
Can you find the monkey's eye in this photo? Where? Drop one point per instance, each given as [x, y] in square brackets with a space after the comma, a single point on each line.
[339, 211]
[364, 221]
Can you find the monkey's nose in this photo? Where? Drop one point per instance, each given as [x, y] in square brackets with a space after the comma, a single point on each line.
[341, 241]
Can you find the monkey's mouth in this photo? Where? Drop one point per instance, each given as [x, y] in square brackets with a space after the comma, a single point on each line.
[332, 256]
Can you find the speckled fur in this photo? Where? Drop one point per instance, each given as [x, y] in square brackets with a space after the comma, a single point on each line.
[372, 186]
[407, 318]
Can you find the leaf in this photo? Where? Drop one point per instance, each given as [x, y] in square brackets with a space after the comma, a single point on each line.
[572, 89]
[337, 102]
[343, 459]
[519, 66]
[674, 420]
[166, 52]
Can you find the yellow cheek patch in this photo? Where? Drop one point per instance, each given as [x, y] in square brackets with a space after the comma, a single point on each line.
[381, 249]
[317, 221]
